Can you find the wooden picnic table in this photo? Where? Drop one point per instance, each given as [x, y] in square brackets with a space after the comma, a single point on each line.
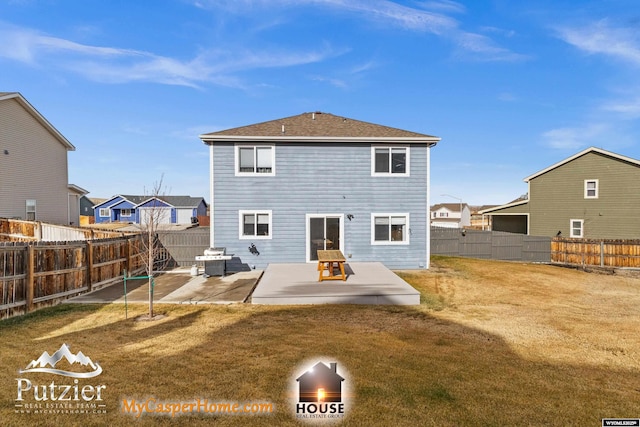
[326, 261]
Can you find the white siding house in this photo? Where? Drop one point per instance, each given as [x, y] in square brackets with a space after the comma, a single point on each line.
[451, 215]
[33, 166]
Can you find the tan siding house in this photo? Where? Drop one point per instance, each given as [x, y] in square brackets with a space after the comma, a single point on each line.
[593, 194]
[33, 166]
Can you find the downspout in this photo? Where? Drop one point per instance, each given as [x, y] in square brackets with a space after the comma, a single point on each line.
[211, 200]
[68, 209]
[428, 213]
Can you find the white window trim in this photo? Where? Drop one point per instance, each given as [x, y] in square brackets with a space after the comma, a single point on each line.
[308, 232]
[586, 196]
[34, 211]
[237, 159]
[126, 209]
[254, 212]
[407, 164]
[581, 221]
[100, 212]
[407, 232]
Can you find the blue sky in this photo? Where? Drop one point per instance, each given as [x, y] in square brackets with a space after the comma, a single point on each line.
[511, 87]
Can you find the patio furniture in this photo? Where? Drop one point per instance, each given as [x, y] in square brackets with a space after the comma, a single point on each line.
[326, 261]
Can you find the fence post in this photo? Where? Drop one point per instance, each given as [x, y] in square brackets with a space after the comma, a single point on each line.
[90, 265]
[30, 278]
[601, 254]
[129, 263]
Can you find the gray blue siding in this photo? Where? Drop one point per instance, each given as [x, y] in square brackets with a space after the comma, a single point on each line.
[324, 178]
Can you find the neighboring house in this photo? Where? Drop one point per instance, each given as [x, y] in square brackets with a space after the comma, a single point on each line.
[593, 194]
[86, 205]
[86, 210]
[478, 220]
[451, 215]
[136, 209]
[283, 189]
[34, 181]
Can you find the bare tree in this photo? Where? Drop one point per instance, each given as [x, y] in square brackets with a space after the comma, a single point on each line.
[152, 215]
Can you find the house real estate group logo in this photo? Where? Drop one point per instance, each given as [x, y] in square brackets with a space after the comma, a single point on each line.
[72, 395]
[320, 392]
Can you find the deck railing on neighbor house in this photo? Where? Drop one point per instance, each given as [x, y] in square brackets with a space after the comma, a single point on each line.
[37, 274]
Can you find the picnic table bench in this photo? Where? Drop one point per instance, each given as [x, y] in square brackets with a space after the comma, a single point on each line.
[326, 261]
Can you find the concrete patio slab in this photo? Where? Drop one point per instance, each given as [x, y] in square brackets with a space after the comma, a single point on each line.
[177, 287]
[215, 290]
[367, 283]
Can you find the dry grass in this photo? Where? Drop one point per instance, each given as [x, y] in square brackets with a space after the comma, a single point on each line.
[493, 343]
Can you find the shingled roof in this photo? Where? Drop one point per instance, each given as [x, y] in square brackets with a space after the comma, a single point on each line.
[317, 126]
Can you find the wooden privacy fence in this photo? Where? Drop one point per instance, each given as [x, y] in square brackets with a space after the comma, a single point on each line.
[33, 275]
[603, 253]
[14, 230]
[497, 245]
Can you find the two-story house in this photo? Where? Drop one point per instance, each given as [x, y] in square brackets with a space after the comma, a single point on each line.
[451, 215]
[283, 189]
[34, 182]
[592, 194]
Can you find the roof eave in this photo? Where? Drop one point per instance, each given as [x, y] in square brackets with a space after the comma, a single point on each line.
[211, 139]
[40, 118]
[508, 205]
[78, 189]
[580, 154]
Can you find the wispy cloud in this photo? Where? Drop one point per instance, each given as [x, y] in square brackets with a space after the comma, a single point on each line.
[444, 5]
[382, 10]
[430, 18]
[613, 42]
[603, 38]
[361, 68]
[118, 65]
[482, 48]
[571, 138]
[332, 81]
[627, 108]
[26, 45]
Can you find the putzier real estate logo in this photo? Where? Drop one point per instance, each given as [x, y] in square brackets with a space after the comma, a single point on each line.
[56, 398]
[46, 363]
[321, 393]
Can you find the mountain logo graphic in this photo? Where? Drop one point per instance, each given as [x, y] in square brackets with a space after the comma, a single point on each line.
[46, 363]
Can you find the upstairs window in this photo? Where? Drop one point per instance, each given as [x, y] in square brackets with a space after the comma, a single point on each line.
[31, 210]
[590, 188]
[390, 161]
[255, 160]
